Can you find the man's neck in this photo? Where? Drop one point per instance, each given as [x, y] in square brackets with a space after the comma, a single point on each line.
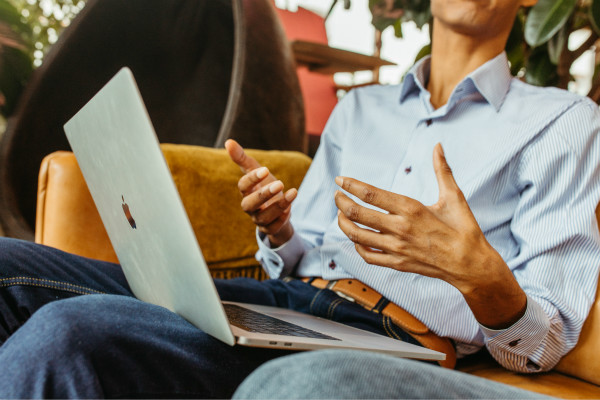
[453, 57]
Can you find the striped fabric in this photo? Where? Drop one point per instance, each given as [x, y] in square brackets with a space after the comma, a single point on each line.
[527, 160]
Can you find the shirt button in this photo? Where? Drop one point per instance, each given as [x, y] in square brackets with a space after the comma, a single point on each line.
[332, 264]
[408, 170]
[514, 343]
[429, 122]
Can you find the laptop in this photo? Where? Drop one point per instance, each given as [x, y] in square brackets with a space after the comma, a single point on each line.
[119, 155]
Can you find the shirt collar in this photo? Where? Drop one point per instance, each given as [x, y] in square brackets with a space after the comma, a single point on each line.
[492, 79]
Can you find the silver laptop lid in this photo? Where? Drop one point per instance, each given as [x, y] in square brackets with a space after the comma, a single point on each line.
[117, 150]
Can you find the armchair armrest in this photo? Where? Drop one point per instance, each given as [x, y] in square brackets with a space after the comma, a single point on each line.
[207, 182]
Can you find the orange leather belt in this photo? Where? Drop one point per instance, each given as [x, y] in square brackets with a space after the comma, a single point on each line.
[358, 292]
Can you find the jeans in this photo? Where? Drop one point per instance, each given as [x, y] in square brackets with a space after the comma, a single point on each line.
[70, 327]
[344, 374]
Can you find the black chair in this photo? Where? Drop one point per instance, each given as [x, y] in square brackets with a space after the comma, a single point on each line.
[208, 70]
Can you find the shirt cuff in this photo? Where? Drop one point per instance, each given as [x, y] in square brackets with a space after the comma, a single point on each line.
[520, 340]
[281, 261]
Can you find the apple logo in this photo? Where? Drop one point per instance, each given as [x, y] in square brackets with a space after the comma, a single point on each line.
[128, 213]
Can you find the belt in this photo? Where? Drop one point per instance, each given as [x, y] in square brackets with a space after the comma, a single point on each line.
[356, 291]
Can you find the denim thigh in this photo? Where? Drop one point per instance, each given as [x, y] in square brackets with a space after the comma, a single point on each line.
[32, 275]
[106, 345]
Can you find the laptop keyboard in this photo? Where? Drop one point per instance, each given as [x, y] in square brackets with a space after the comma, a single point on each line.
[253, 321]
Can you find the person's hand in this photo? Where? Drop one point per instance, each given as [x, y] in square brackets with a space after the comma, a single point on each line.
[263, 197]
[442, 241]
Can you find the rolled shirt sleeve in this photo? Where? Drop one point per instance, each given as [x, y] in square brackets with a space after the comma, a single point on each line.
[279, 262]
[514, 346]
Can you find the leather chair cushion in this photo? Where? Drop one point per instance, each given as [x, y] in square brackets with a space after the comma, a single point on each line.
[206, 180]
[551, 383]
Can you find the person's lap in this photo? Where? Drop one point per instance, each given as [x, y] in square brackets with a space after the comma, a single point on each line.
[58, 343]
[345, 374]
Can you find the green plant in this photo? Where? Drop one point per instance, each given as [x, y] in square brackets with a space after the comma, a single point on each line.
[16, 52]
[27, 29]
[538, 47]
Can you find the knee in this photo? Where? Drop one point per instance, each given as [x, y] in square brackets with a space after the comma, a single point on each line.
[326, 374]
[58, 346]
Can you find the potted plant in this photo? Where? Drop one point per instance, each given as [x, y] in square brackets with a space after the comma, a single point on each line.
[16, 62]
[537, 48]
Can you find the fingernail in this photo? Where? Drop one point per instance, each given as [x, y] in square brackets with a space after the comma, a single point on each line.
[441, 149]
[339, 180]
[276, 187]
[289, 196]
[262, 172]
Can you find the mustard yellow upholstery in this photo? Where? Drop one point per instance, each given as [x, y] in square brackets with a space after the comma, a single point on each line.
[207, 182]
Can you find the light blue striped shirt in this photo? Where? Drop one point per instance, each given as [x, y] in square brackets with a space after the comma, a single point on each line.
[527, 160]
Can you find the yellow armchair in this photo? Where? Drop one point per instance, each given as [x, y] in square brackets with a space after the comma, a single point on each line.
[207, 182]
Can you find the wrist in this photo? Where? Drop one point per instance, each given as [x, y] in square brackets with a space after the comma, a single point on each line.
[282, 237]
[493, 293]
[498, 301]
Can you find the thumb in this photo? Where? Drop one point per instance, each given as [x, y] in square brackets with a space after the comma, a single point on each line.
[239, 156]
[443, 173]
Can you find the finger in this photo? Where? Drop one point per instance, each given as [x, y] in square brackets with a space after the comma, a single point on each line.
[443, 173]
[392, 202]
[362, 215]
[292, 193]
[367, 237]
[257, 199]
[374, 257]
[239, 156]
[399, 263]
[266, 215]
[275, 226]
[247, 182]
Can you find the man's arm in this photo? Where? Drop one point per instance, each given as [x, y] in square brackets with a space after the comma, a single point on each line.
[441, 241]
[556, 179]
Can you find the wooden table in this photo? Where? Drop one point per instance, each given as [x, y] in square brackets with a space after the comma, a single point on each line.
[323, 59]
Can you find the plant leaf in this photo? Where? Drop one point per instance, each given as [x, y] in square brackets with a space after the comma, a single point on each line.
[11, 17]
[594, 14]
[425, 51]
[540, 70]
[557, 44]
[15, 69]
[546, 18]
[398, 29]
[515, 47]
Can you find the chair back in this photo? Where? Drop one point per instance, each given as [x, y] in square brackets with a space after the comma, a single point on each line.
[208, 70]
[583, 361]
